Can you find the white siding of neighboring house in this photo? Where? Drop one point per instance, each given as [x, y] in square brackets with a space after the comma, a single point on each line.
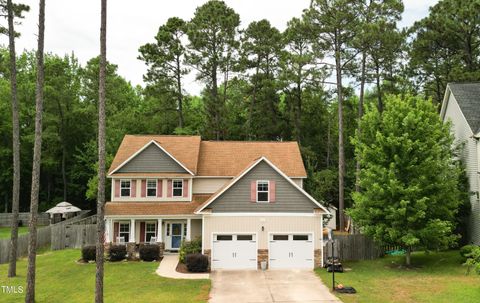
[470, 155]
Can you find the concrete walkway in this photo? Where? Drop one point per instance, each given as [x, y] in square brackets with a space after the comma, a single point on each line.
[167, 269]
[284, 286]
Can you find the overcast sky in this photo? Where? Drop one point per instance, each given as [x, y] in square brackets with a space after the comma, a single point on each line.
[73, 26]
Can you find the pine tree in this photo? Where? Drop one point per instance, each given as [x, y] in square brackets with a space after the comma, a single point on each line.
[37, 155]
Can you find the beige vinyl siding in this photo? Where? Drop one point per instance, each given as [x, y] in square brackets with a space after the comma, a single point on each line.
[298, 181]
[196, 226]
[470, 154]
[152, 159]
[208, 185]
[289, 199]
[253, 224]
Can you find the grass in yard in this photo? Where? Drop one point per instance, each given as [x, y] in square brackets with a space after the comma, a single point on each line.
[61, 279]
[435, 277]
[5, 231]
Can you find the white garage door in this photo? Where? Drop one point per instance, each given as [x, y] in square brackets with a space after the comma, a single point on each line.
[234, 251]
[291, 251]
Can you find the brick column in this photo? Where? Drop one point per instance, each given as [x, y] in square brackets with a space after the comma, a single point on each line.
[262, 255]
[318, 258]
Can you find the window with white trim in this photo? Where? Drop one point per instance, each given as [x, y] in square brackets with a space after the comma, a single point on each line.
[125, 188]
[152, 188]
[124, 230]
[262, 191]
[177, 188]
[150, 231]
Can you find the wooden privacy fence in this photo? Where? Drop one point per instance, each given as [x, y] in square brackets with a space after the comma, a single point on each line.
[73, 233]
[353, 247]
[43, 240]
[73, 236]
[23, 218]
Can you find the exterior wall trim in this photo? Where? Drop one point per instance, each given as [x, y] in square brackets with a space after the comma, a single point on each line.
[249, 169]
[147, 217]
[142, 149]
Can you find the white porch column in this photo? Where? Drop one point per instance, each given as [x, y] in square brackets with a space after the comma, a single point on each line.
[132, 231]
[189, 228]
[108, 230]
[160, 231]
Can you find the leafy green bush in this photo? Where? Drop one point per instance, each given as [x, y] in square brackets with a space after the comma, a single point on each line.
[473, 259]
[89, 253]
[189, 247]
[117, 253]
[197, 262]
[149, 252]
[466, 250]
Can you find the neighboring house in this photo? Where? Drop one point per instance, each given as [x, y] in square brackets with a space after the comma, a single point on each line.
[243, 199]
[461, 106]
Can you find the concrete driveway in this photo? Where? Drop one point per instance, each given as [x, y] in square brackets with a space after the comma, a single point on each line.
[268, 286]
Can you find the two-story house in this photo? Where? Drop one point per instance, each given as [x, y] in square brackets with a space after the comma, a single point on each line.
[461, 106]
[245, 200]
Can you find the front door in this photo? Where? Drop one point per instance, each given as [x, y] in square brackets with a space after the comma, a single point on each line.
[176, 235]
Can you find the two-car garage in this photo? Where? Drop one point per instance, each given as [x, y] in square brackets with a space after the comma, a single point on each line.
[285, 251]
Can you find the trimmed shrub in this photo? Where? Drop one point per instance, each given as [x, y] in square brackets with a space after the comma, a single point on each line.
[117, 252]
[192, 247]
[197, 262]
[89, 253]
[466, 250]
[149, 252]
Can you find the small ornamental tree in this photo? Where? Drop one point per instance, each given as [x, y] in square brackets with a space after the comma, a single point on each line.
[409, 180]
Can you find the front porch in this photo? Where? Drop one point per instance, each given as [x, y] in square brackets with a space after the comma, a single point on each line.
[168, 231]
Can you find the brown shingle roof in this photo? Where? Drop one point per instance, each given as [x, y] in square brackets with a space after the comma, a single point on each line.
[140, 208]
[183, 148]
[229, 158]
[217, 158]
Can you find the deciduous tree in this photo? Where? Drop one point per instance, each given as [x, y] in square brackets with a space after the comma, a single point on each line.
[409, 179]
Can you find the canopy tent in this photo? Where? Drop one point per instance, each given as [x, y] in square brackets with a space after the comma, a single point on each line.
[63, 208]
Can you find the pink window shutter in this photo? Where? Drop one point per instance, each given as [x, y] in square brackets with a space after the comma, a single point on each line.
[142, 232]
[169, 188]
[185, 188]
[271, 190]
[133, 189]
[116, 231]
[253, 191]
[159, 188]
[117, 188]
[144, 188]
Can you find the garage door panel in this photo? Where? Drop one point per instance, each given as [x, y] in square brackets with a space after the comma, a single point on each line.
[294, 251]
[234, 252]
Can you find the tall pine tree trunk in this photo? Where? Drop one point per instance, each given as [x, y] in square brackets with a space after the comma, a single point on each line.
[379, 88]
[37, 154]
[341, 153]
[179, 93]
[101, 157]
[360, 114]
[12, 269]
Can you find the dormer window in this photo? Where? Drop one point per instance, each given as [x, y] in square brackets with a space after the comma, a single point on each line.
[262, 191]
[125, 188]
[152, 188]
[177, 188]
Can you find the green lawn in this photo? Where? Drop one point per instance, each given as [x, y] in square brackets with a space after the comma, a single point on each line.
[60, 279]
[5, 231]
[437, 277]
